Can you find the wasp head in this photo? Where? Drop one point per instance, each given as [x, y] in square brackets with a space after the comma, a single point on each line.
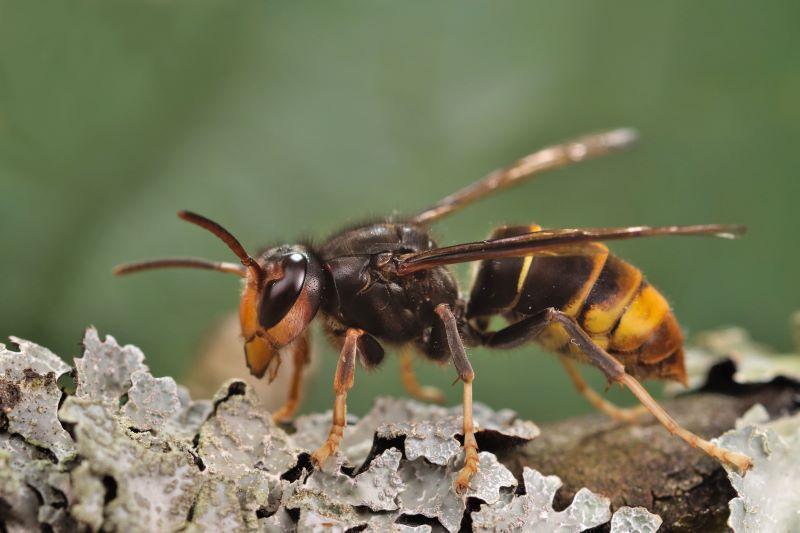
[278, 303]
[282, 292]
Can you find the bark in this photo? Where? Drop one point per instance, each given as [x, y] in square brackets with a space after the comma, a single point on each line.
[643, 465]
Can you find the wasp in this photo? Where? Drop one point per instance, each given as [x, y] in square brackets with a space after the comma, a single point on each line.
[389, 283]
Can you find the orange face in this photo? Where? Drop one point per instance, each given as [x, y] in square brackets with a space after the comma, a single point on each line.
[277, 306]
[282, 292]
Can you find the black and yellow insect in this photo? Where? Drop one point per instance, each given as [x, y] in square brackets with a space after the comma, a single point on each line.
[388, 283]
[607, 297]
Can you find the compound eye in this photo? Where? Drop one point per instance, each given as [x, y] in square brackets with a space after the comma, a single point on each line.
[280, 295]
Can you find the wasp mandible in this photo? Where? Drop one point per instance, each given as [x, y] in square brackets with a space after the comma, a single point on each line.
[388, 282]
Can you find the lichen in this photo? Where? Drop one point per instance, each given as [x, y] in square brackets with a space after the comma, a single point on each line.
[151, 401]
[376, 488]
[217, 507]
[533, 512]
[428, 489]
[129, 451]
[140, 455]
[17, 496]
[154, 481]
[191, 414]
[634, 520]
[29, 396]
[428, 431]
[104, 372]
[89, 495]
[768, 496]
[241, 438]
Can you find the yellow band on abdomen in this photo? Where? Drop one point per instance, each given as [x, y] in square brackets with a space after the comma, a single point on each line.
[642, 317]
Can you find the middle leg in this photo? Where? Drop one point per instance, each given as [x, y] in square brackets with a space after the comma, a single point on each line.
[467, 375]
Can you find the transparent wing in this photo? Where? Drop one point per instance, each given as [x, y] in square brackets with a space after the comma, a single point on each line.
[552, 240]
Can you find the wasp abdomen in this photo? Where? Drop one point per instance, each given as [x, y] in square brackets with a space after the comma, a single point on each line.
[607, 297]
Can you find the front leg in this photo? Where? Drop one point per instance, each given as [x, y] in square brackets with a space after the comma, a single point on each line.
[467, 375]
[342, 382]
[301, 348]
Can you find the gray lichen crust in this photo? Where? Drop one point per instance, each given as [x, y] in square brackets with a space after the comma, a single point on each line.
[130, 452]
[427, 431]
[155, 481]
[104, 372]
[769, 495]
[533, 511]
[29, 396]
[634, 520]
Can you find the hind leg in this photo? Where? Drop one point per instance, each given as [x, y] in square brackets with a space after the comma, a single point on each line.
[530, 329]
[412, 386]
[620, 414]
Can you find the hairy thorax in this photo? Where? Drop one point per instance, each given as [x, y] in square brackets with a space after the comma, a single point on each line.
[363, 291]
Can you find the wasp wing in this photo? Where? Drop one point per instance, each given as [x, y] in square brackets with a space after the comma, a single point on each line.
[552, 157]
[555, 240]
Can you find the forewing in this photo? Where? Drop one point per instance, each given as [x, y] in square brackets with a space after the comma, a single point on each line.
[555, 241]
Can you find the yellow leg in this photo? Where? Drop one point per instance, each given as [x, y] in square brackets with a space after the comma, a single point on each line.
[470, 467]
[467, 376]
[619, 414]
[412, 386]
[615, 372]
[739, 461]
[342, 382]
[300, 353]
[531, 328]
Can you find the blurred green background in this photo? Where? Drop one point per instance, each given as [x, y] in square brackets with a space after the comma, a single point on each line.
[283, 120]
